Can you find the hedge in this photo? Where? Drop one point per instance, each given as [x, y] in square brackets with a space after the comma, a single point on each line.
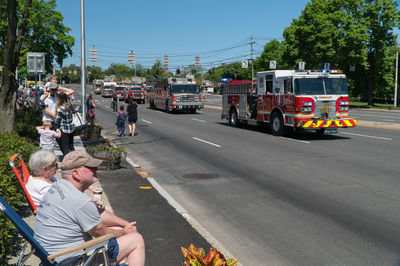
[10, 190]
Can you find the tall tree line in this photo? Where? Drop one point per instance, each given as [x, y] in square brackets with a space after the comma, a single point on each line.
[345, 33]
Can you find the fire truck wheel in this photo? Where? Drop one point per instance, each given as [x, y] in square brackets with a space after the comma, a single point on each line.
[193, 111]
[320, 131]
[277, 126]
[233, 119]
[167, 107]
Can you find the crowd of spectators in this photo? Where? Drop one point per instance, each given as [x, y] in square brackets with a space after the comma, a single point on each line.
[66, 216]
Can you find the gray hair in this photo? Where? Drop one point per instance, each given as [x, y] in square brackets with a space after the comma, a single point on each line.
[66, 174]
[40, 160]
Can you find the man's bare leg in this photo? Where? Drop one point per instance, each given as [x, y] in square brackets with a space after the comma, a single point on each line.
[131, 247]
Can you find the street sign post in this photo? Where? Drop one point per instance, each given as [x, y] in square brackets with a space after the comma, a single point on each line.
[166, 62]
[272, 64]
[93, 54]
[132, 60]
[35, 63]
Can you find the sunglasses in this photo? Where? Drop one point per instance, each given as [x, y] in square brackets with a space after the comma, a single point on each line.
[52, 165]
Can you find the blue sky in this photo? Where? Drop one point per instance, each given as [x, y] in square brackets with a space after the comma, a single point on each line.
[216, 30]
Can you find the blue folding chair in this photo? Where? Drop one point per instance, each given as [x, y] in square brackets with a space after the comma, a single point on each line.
[103, 243]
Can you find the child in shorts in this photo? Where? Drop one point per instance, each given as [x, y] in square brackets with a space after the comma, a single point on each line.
[47, 136]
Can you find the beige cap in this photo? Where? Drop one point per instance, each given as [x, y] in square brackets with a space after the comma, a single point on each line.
[76, 159]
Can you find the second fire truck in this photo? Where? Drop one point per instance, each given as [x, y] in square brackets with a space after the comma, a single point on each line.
[173, 94]
[315, 100]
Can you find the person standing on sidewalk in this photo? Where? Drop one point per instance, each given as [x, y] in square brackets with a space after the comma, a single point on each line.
[66, 214]
[64, 123]
[121, 118]
[90, 109]
[132, 116]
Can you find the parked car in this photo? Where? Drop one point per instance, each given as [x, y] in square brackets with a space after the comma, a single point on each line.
[107, 91]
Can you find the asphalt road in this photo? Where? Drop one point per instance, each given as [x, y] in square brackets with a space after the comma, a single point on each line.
[302, 199]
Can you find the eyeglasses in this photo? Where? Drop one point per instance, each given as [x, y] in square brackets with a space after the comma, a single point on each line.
[52, 165]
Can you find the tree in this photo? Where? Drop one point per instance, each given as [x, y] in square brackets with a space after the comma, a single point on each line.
[28, 25]
[12, 42]
[273, 50]
[121, 72]
[156, 71]
[346, 33]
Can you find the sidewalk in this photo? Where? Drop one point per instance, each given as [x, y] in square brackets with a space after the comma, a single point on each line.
[134, 198]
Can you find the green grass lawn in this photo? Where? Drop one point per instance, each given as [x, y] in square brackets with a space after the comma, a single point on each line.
[364, 105]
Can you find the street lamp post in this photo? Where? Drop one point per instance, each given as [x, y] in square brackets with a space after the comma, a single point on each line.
[395, 77]
[83, 61]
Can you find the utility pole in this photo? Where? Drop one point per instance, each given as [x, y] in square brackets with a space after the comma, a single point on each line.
[252, 63]
[395, 77]
[83, 62]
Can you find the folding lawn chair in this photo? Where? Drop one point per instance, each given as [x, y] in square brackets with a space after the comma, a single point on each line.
[22, 173]
[106, 243]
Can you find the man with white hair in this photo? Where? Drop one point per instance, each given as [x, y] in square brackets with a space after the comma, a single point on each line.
[66, 215]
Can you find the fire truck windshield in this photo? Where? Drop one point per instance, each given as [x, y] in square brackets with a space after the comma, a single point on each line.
[185, 89]
[320, 86]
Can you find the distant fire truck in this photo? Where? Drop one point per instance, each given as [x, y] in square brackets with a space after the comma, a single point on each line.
[298, 99]
[174, 94]
[136, 93]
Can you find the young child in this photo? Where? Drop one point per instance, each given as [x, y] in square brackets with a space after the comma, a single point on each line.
[121, 118]
[47, 136]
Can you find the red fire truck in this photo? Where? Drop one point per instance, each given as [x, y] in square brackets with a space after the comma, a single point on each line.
[316, 100]
[173, 94]
[136, 93]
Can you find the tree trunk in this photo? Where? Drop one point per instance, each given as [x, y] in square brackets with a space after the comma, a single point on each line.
[8, 83]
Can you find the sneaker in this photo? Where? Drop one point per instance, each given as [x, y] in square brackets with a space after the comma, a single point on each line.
[130, 134]
[135, 134]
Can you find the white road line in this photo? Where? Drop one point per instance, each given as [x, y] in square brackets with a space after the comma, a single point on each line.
[374, 137]
[199, 120]
[382, 116]
[302, 141]
[148, 122]
[216, 145]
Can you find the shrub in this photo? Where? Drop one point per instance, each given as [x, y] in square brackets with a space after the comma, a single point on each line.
[10, 189]
[27, 119]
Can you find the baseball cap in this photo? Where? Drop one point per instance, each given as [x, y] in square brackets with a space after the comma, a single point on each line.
[53, 86]
[76, 159]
